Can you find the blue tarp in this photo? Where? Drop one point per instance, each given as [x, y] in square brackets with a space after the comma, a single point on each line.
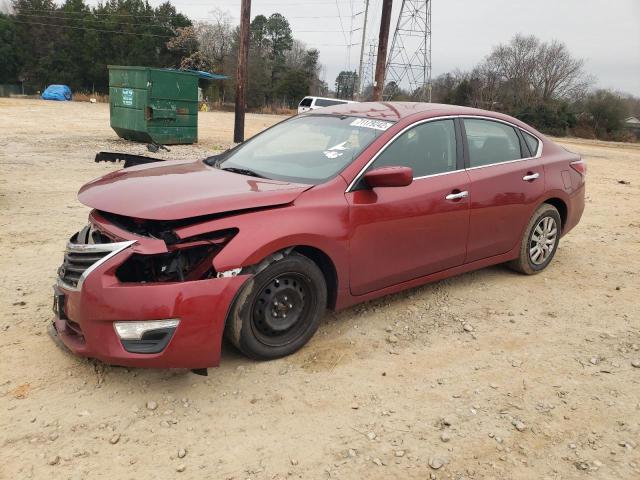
[57, 92]
[201, 74]
[208, 76]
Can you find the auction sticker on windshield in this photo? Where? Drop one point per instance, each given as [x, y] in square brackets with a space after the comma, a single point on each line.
[375, 124]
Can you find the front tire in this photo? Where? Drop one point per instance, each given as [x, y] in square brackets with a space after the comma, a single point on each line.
[539, 242]
[279, 309]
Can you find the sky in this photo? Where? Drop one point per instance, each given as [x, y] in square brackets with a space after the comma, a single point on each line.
[604, 33]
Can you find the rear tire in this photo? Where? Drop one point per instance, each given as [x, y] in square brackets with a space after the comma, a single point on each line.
[279, 309]
[539, 242]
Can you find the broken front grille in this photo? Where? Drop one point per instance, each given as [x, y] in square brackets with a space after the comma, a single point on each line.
[76, 263]
[85, 251]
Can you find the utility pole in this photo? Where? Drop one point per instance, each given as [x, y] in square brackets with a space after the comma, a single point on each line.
[385, 22]
[364, 36]
[241, 72]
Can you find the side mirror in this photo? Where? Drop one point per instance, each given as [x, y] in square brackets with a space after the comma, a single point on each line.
[389, 177]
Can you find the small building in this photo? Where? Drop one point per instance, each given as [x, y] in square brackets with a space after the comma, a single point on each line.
[632, 123]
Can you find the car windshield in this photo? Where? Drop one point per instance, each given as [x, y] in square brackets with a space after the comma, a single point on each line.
[307, 149]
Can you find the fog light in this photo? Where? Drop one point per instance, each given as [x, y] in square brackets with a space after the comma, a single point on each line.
[135, 330]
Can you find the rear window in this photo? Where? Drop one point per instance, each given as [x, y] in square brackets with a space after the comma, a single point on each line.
[323, 102]
[532, 143]
[306, 102]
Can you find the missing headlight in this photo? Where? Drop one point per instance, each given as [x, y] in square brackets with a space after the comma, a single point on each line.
[181, 265]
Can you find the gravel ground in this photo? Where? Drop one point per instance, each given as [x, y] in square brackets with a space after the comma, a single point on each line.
[490, 374]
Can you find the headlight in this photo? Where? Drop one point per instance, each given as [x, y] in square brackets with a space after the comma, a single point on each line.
[189, 259]
[185, 264]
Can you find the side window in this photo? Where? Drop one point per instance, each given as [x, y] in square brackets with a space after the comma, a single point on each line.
[306, 102]
[532, 142]
[323, 102]
[491, 142]
[428, 148]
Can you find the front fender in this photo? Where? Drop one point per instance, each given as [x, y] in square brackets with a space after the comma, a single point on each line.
[319, 218]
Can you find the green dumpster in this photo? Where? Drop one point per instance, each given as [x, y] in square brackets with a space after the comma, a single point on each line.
[154, 105]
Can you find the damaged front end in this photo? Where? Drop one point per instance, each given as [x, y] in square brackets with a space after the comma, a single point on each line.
[185, 259]
[131, 292]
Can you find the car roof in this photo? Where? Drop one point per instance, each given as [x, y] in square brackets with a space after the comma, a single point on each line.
[328, 98]
[395, 111]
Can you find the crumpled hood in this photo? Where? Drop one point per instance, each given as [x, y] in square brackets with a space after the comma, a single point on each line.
[182, 189]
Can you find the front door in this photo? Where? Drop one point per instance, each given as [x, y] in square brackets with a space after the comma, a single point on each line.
[402, 233]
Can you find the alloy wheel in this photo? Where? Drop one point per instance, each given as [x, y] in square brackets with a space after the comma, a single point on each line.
[543, 241]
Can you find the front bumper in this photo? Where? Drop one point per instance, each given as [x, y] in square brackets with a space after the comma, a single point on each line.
[89, 313]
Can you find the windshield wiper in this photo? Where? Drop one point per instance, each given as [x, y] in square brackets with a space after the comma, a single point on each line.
[243, 171]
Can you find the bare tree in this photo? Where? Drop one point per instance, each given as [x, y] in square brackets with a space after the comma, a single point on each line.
[215, 38]
[185, 42]
[514, 64]
[486, 88]
[533, 72]
[204, 46]
[558, 74]
[296, 57]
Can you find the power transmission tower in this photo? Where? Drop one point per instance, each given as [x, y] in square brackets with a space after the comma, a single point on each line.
[369, 66]
[410, 58]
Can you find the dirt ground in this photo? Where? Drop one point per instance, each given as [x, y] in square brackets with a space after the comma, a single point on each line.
[540, 383]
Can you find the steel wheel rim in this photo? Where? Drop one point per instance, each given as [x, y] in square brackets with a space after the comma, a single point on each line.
[280, 310]
[544, 238]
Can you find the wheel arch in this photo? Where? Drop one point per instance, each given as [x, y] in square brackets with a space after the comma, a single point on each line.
[562, 208]
[326, 266]
[331, 258]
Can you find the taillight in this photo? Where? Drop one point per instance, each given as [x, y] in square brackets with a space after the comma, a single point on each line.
[579, 166]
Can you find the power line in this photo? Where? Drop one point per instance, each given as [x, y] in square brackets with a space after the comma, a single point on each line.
[294, 3]
[157, 26]
[92, 13]
[149, 25]
[140, 34]
[89, 13]
[341, 25]
[89, 29]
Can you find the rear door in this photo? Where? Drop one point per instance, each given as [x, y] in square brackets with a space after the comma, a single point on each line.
[506, 185]
[402, 233]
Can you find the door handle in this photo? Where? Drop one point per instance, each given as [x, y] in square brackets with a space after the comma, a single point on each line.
[530, 177]
[457, 196]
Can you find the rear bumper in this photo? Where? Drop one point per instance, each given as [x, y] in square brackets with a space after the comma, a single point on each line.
[201, 306]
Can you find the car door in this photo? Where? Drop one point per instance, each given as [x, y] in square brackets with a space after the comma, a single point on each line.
[506, 184]
[402, 233]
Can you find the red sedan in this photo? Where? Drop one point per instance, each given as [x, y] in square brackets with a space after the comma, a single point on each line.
[323, 210]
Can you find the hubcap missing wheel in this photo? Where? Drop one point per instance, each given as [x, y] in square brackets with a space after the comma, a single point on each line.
[279, 311]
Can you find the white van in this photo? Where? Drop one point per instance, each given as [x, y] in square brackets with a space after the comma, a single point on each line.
[313, 103]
